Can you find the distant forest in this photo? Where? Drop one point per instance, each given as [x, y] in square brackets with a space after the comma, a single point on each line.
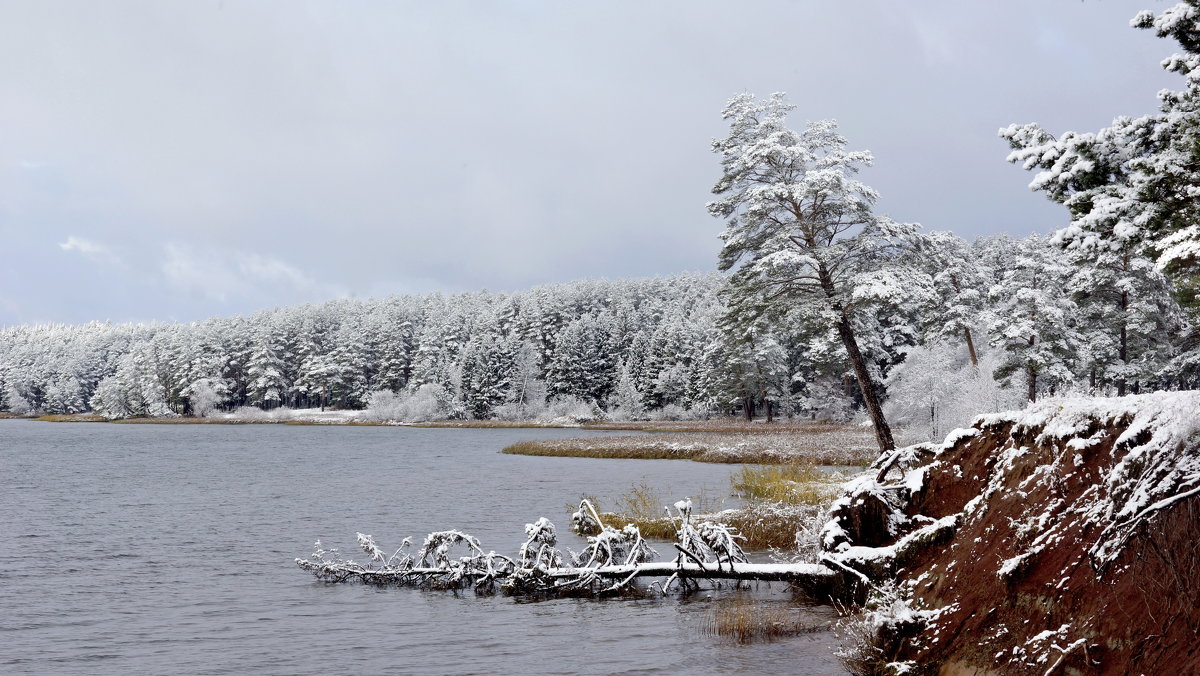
[973, 326]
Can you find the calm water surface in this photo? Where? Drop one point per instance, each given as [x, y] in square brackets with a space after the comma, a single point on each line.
[168, 549]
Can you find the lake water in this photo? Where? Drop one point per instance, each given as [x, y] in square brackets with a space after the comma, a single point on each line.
[169, 549]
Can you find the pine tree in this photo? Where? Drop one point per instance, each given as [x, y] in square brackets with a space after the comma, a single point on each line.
[800, 228]
[1035, 318]
[1131, 186]
[582, 365]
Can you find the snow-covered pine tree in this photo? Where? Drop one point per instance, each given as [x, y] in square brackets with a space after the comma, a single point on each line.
[799, 227]
[1133, 185]
[1129, 320]
[957, 302]
[626, 401]
[266, 387]
[583, 365]
[1035, 318]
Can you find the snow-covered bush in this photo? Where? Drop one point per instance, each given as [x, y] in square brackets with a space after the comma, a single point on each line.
[572, 408]
[205, 395]
[15, 403]
[428, 402]
[675, 412]
[936, 390]
[875, 633]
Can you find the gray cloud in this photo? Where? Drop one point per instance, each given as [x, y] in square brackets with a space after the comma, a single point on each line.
[366, 148]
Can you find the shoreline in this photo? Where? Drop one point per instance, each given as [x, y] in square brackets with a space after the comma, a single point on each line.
[715, 440]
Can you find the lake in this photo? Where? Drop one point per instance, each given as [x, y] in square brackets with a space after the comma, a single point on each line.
[169, 549]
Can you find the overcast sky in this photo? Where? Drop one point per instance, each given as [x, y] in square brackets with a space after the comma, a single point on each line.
[179, 160]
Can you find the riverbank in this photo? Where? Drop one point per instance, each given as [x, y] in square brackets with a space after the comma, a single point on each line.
[1058, 539]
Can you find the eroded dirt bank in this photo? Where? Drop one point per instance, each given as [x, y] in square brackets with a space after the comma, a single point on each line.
[1061, 539]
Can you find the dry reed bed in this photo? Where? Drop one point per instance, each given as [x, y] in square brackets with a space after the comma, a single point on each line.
[749, 621]
[818, 444]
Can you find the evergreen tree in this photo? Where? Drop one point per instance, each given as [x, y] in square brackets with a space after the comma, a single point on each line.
[800, 228]
[1035, 318]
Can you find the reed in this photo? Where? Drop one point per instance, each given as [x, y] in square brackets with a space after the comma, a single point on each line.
[750, 621]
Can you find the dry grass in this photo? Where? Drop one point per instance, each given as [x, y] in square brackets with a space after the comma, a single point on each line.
[811, 443]
[793, 484]
[771, 526]
[644, 508]
[749, 621]
[719, 425]
[71, 417]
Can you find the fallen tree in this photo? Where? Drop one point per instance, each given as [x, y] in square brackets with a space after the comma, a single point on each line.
[613, 558]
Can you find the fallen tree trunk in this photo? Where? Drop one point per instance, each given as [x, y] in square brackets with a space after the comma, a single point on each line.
[611, 561]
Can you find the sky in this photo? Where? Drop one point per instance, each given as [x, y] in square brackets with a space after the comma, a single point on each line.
[172, 161]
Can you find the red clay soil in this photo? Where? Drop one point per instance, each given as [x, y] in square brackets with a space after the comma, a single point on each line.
[1020, 585]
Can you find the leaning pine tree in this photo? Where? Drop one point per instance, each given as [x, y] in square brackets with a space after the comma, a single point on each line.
[800, 229]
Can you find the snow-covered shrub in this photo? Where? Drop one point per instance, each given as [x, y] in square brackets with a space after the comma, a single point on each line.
[572, 408]
[936, 390]
[875, 633]
[383, 405]
[529, 403]
[205, 395]
[674, 412]
[428, 402]
[15, 403]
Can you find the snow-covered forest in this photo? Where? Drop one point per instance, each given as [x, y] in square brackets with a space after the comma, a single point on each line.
[975, 326]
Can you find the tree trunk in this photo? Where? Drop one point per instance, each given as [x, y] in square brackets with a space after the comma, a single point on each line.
[966, 330]
[1124, 350]
[1031, 373]
[748, 408]
[883, 433]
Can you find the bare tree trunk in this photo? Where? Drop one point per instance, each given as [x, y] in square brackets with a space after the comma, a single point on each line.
[883, 433]
[966, 330]
[1031, 374]
[1124, 349]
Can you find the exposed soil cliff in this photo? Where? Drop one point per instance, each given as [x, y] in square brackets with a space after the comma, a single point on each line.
[1060, 539]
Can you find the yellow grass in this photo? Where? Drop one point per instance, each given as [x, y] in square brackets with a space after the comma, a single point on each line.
[811, 443]
[749, 621]
[793, 484]
[71, 417]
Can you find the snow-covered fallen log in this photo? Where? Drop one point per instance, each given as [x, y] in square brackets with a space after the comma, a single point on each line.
[612, 560]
